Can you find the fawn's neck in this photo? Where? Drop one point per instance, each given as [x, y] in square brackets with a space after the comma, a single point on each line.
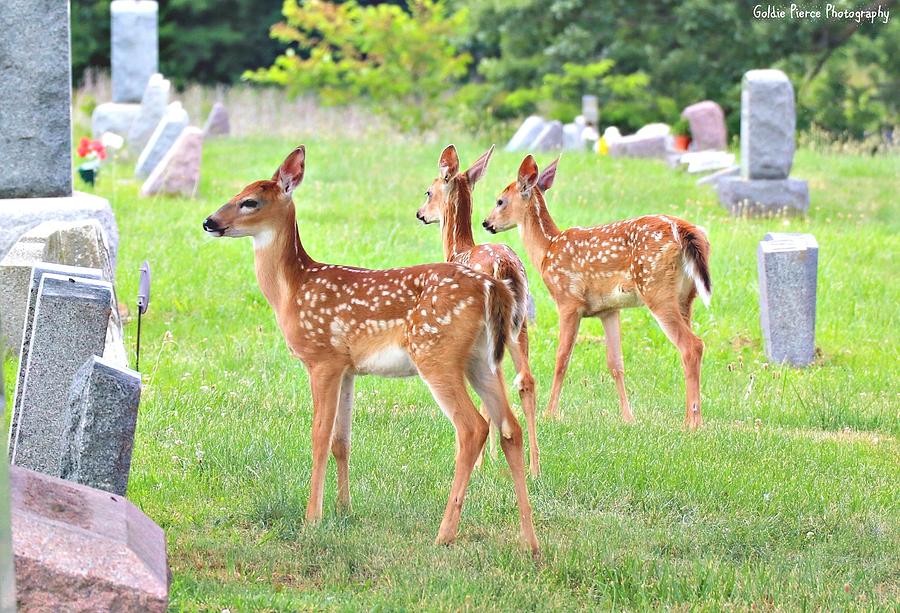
[281, 261]
[537, 230]
[456, 226]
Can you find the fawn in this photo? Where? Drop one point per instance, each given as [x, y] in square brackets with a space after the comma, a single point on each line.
[449, 202]
[444, 322]
[655, 260]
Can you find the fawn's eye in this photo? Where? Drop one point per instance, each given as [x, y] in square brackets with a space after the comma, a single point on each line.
[428, 194]
[500, 202]
[249, 204]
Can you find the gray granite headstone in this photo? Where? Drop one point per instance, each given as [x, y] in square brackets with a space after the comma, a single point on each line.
[788, 265]
[550, 137]
[526, 133]
[99, 425]
[164, 136]
[134, 47]
[70, 323]
[767, 150]
[153, 107]
[19, 215]
[73, 243]
[35, 95]
[763, 196]
[572, 140]
[115, 117]
[768, 120]
[590, 110]
[37, 274]
[640, 146]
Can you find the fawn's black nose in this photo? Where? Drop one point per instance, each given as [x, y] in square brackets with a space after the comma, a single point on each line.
[210, 226]
[419, 216]
[487, 226]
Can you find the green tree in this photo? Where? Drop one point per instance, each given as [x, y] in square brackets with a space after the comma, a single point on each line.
[400, 61]
[690, 50]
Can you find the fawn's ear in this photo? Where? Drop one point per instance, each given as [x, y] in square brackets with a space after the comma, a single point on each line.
[528, 175]
[477, 170]
[290, 173]
[448, 165]
[545, 181]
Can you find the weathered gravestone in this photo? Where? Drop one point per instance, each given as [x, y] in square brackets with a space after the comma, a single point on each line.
[572, 140]
[35, 94]
[37, 275]
[526, 134]
[7, 576]
[70, 323]
[179, 170]
[99, 425]
[768, 120]
[707, 121]
[788, 265]
[82, 549]
[152, 109]
[590, 110]
[76, 243]
[217, 124]
[164, 136]
[640, 146]
[35, 123]
[134, 47]
[550, 137]
[115, 117]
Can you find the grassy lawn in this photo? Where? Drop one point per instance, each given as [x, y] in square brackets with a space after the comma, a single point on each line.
[787, 499]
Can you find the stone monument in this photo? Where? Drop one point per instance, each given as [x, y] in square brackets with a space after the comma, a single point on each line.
[788, 265]
[768, 120]
[134, 58]
[36, 123]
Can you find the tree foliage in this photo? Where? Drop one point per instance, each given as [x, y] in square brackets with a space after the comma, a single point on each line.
[689, 50]
[400, 59]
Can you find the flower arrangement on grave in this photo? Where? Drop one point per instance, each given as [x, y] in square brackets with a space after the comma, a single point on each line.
[681, 130]
[93, 153]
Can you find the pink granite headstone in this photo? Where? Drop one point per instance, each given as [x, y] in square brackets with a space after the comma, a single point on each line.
[179, 171]
[707, 121]
[217, 124]
[81, 549]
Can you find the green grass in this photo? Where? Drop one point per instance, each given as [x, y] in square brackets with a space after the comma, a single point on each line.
[787, 499]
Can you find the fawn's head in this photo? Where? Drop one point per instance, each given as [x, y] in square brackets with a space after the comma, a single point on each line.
[438, 198]
[513, 202]
[258, 208]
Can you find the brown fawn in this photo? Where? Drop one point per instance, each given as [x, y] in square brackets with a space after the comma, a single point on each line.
[444, 322]
[656, 260]
[449, 202]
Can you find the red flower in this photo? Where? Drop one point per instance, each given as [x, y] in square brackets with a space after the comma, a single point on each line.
[87, 146]
[83, 147]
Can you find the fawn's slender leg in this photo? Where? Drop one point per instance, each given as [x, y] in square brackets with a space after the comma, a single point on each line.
[614, 361]
[672, 322]
[491, 442]
[524, 382]
[449, 390]
[340, 442]
[326, 385]
[569, 320]
[492, 392]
